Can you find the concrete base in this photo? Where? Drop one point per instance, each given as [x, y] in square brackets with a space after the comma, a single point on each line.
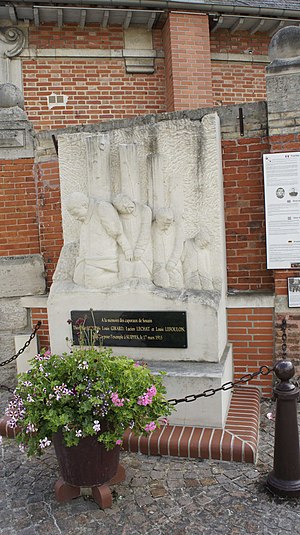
[23, 360]
[185, 378]
[205, 315]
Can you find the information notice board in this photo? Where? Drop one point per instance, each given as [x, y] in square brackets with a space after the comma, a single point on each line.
[282, 207]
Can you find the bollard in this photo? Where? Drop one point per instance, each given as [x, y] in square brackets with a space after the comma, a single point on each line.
[284, 480]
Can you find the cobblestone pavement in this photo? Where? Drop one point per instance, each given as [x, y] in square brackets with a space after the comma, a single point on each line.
[161, 496]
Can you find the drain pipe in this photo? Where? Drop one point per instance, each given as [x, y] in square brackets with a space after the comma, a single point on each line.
[236, 8]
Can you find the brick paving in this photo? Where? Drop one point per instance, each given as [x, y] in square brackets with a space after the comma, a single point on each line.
[160, 496]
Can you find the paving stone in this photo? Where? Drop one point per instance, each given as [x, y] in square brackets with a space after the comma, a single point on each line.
[161, 496]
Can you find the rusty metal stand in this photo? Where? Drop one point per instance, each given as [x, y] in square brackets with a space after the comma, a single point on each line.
[284, 480]
[64, 492]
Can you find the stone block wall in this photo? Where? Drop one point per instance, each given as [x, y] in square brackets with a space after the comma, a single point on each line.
[49, 213]
[19, 276]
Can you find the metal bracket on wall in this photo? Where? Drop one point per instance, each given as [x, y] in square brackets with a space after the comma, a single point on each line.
[241, 122]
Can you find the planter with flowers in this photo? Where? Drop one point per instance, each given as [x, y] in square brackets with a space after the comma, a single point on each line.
[83, 402]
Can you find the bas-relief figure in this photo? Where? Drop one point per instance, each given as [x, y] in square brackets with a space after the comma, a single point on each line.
[167, 239]
[119, 241]
[100, 234]
[136, 220]
[196, 262]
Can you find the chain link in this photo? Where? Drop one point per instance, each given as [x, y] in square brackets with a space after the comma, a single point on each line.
[27, 343]
[283, 338]
[263, 370]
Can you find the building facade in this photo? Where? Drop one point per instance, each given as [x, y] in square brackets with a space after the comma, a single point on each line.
[81, 65]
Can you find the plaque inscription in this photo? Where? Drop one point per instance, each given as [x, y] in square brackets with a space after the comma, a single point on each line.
[133, 329]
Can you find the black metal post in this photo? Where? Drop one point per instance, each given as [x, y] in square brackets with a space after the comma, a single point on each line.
[284, 480]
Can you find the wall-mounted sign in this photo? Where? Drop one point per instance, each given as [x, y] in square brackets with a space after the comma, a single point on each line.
[294, 291]
[282, 204]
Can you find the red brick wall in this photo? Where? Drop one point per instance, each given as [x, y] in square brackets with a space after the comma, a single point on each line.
[97, 89]
[244, 214]
[235, 82]
[40, 314]
[292, 338]
[71, 36]
[18, 218]
[49, 210]
[239, 42]
[188, 65]
[250, 330]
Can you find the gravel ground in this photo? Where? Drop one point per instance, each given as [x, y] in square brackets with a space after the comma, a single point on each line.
[160, 496]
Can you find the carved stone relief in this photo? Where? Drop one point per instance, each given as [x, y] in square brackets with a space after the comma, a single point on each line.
[148, 205]
[12, 43]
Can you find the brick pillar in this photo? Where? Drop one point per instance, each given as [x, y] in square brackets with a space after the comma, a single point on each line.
[283, 98]
[188, 63]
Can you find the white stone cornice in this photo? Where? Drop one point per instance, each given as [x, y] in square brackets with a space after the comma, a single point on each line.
[91, 53]
[250, 300]
[241, 58]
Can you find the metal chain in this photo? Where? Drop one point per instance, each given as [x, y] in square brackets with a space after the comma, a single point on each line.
[283, 338]
[263, 370]
[14, 357]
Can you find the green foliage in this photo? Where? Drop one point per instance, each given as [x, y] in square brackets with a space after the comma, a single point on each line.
[85, 393]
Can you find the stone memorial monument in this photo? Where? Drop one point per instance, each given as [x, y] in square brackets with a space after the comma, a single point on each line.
[144, 253]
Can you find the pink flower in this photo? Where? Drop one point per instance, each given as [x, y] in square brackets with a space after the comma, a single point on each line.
[144, 400]
[152, 391]
[147, 397]
[116, 400]
[150, 427]
[119, 442]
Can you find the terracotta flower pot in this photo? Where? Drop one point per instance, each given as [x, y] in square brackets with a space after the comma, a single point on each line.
[88, 464]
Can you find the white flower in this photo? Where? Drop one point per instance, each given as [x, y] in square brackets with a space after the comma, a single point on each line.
[31, 428]
[44, 443]
[79, 433]
[96, 426]
[83, 365]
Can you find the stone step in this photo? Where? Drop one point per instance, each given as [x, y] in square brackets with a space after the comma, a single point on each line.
[184, 378]
[238, 441]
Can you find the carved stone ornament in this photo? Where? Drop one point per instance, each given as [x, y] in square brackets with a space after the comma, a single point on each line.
[12, 42]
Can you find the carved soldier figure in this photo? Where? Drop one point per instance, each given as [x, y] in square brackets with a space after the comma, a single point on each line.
[167, 238]
[100, 234]
[136, 220]
[196, 262]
